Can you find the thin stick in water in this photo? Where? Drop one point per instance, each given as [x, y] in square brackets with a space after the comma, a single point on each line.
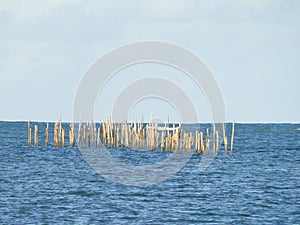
[232, 137]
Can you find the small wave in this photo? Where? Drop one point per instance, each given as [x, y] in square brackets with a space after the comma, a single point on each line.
[81, 193]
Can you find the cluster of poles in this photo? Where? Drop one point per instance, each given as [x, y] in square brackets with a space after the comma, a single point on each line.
[58, 135]
[136, 135]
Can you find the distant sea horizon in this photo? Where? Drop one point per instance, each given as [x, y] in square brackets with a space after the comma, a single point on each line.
[129, 121]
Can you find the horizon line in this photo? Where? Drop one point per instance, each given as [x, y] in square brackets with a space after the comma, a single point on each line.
[228, 121]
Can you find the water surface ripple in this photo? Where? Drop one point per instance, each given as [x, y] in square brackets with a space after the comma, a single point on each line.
[259, 184]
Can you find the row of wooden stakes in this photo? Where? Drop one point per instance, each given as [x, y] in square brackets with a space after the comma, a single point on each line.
[136, 135]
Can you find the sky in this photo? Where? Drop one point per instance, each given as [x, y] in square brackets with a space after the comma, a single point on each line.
[252, 48]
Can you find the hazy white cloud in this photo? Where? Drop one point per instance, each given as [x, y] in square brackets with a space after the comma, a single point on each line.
[29, 9]
[20, 59]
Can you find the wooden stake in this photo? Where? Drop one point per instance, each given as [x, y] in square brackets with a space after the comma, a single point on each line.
[60, 130]
[202, 142]
[84, 136]
[118, 142]
[62, 137]
[163, 141]
[207, 141]
[197, 147]
[127, 136]
[95, 133]
[54, 136]
[29, 134]
[98, 137]
[89, 133]
[71, 135]
[36, 140]
[157, 141]
[232, 137]
[216, 142]
[47, 135]
[214, 137]
[225, 139]
[79, 134]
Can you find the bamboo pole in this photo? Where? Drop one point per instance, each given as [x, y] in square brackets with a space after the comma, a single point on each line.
[191, 141]
[104, 132]
[55, 135]
[47, 135]
[214, 136]
[168, 141]
[163, 141]
[36, 140]
[93, 133]
[225, 139]
[113, 135]
[118, 142]
[127, 136]
[79, 133]
[157, 140]
[71, 136]
[147, 136]
[232, 137]
[89, 134]
[207, 142]
[84, 136]
[122, 134]
[153, 136]
[216, 142]
[202, 142]
[185, 141]
[94, 136]
[108, 134]
[176, 139]
[29, 134]
[138, 135]
[180, 138]
[197, 147]
[98, 137]
[141, 135]
[62, 137]
[60, 130]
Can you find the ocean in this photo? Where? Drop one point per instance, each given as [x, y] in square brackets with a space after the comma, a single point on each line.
[258, 184]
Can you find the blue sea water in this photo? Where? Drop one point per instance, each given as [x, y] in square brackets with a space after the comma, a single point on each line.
[258, 184]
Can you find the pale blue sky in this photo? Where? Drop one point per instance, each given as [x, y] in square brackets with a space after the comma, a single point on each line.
[251, 46]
